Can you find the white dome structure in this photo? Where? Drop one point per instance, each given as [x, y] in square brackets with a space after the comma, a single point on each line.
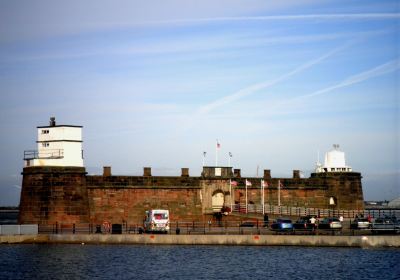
[334, 162]
[395, 203]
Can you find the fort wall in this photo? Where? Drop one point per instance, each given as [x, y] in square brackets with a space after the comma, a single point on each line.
[69, 195]
[54, 194]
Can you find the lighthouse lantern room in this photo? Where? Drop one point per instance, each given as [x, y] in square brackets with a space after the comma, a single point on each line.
[334, 162]
[57, 145]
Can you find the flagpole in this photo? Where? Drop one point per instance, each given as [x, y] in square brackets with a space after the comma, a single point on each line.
[216, 154]
[204, 158]
[246, 196]
[262, 196]
[279, 192]
[230, 191]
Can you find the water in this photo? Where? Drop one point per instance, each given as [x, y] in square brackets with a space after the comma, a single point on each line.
[195, 262]
[8, 217]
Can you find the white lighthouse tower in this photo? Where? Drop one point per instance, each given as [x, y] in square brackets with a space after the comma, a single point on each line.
[334, 162]
[57, 145]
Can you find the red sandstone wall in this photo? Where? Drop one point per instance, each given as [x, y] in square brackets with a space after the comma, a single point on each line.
[57, 194]
[53, 194]
[128, 205]
[313, 192]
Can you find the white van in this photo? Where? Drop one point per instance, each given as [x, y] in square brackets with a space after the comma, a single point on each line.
[157, 220]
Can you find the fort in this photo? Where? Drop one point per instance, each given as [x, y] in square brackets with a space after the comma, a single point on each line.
[57, 188]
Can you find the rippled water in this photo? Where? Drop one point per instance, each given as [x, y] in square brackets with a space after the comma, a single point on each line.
[195, 262]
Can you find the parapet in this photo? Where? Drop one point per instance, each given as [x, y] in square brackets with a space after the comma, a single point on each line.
[216, 172]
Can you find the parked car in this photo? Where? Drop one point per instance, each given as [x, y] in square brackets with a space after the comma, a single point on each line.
[330, 223]
[360, 223]
[304, 223]
[386, 224]
[282, 224]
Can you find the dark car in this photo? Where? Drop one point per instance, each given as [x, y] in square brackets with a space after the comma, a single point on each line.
[330, 223]
[386, 224]
[282, 224]
[304, 223]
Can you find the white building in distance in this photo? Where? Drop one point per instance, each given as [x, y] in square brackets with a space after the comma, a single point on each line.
[57, 145]
[334, 162]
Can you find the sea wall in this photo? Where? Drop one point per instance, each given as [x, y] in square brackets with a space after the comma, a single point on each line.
[243, 240]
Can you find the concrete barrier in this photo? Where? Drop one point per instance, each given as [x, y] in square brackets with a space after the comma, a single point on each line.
[19, 229]
[254, 240]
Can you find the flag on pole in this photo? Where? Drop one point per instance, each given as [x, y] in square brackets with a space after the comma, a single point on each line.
[234, 183]
[248, 183]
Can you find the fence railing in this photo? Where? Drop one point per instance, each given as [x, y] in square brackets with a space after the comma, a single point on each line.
[319, 212]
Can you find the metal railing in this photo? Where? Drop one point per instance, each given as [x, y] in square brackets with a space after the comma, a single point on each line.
[319, 212]
[249, 226]
[47, 154]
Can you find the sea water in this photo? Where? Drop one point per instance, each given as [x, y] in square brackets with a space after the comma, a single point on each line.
[57, 261]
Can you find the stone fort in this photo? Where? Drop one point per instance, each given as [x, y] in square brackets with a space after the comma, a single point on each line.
[57, 188]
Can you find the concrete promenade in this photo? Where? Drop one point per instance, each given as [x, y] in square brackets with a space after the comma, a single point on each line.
[251, 240]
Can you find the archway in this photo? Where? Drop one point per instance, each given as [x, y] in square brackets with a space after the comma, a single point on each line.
[217, 201]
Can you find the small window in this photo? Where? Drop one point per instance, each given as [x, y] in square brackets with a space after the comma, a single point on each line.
[45, 131]
[45, 144]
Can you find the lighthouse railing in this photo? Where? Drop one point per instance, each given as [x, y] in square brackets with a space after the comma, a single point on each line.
[51, 153]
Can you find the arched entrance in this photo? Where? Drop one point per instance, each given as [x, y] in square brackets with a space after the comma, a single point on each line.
[217, 201]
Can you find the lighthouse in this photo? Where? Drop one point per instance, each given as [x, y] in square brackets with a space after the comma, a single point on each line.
[57, 145]
[54, 178]
[334, 162]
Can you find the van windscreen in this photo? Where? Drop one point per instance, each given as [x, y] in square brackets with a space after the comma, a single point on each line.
[160, 216]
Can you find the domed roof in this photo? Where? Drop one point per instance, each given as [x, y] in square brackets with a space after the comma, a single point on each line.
[394, 203]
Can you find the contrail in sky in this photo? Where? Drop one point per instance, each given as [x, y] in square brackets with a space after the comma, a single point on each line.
[264, 85]
[380, 70]
[365, 16]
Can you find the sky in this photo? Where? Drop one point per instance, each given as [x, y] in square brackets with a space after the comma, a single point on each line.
[155, 83]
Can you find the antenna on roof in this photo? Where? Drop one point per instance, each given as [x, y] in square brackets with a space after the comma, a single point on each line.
[336, 146]
[52, 121]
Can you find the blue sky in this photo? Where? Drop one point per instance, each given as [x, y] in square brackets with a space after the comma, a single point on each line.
[156, 83]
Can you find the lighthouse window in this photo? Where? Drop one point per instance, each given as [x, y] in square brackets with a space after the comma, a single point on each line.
[45, 131]
[45, 144]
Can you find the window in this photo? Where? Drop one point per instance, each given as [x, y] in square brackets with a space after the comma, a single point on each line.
[45, 144]
[45, 131]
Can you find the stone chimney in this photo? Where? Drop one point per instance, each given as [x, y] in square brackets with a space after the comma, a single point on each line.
[106, 171]
[147, 171]
[267, 174]
[296, 174]
[185, 172]
[236, 173]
